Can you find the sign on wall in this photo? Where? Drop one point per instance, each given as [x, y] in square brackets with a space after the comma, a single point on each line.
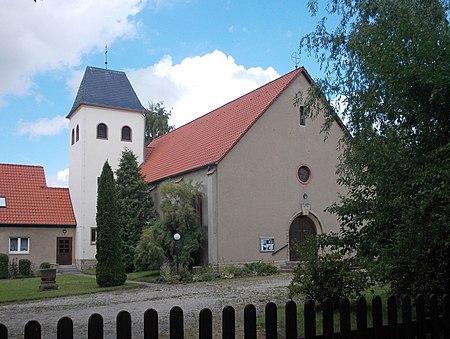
[266, 244]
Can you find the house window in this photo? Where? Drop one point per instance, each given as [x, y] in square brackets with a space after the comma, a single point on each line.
[302, 116]
[102, 131]
[126, 133]
[73, 136]
[3, 202]
[78, 133]
[198, 204]
[93, 235]
[19, 245]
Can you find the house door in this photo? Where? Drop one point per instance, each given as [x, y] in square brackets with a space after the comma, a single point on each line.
[300, 229]
[64, 250]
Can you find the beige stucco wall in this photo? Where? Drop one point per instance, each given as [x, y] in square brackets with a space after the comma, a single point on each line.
[258, 192]
[42, 242]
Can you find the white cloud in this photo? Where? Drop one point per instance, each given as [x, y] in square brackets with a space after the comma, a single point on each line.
[61, 179]
[43, 127]
[54, 34]
[196, 85]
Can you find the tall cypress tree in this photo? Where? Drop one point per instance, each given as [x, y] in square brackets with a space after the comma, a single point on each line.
[135, 205]
[110, 269]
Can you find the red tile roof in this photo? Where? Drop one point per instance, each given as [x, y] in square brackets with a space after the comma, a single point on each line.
[208, 139]
[29, 201]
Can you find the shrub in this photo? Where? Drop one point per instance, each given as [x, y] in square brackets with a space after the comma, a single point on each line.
[148, 255]
[13, 268]
[44, 265]
[261, 268]
[24, 267]
[329, 275]
[4, 259]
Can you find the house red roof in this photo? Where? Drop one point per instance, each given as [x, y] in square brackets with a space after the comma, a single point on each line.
[29, 201]
[208, 139]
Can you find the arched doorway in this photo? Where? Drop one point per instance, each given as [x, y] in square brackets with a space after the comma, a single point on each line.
[300, 229]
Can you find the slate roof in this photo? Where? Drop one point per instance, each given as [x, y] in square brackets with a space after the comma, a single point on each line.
[30, 202]
[208, 139]
[106, 88]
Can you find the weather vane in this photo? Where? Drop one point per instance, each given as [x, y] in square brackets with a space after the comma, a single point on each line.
[106, 57]
[295, 57]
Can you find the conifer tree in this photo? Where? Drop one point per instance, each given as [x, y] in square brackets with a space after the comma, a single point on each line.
[135, 205]
[110, 270]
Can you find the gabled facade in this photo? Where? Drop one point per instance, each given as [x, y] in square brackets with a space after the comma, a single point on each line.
[267, 174]
[36, 222]
[106, 118]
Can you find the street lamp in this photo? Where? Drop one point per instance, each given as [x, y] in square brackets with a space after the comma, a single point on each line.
[177, 237]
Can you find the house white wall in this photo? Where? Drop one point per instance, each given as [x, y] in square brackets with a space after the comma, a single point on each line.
[86, 159]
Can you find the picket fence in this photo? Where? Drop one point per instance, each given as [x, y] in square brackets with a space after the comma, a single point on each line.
[432, 320]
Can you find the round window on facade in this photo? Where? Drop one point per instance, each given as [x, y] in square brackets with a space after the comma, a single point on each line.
[304, 174]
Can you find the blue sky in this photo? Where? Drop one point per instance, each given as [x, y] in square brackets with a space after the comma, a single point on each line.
[193, 55]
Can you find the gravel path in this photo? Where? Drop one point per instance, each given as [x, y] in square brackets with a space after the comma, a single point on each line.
[190, 297]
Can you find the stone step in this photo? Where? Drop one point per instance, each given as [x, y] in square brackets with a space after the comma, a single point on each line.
[67, 269]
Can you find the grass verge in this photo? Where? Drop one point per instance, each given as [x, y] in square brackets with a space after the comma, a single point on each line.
[14, 290]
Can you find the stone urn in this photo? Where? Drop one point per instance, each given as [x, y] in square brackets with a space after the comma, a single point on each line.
[48, 279]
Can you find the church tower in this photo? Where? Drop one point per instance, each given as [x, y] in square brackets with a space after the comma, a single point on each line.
[106, 118]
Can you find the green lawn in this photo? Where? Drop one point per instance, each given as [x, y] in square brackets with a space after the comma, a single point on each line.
[12, 290]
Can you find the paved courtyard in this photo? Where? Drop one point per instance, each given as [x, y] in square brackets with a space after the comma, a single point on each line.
[190, 297]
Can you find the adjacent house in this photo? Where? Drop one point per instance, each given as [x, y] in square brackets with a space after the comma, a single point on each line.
[266, 172]
[36, 222]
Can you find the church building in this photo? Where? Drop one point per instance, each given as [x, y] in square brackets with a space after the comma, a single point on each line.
[266, 172]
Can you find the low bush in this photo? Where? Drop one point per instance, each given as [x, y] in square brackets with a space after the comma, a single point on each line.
[328, 275]
[4, 259]
[13, 268]
[262, 268]
[44, 265]
[25, 267]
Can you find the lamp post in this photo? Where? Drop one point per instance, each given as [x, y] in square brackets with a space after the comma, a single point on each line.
[177, 237]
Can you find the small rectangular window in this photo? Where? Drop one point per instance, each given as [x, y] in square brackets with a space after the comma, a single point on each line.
[93, 235]
[2, 201]
[302, 116]
[19, 245]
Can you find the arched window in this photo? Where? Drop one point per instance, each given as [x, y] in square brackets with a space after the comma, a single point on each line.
[73, 136]
[78, 133]
[102, 131]
[126, 133]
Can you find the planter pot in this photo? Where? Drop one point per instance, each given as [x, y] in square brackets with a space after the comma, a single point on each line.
[48, 279]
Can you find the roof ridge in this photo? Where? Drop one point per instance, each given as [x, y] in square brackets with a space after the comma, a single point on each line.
[299, 70]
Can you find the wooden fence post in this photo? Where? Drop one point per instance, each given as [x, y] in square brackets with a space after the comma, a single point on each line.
[344, 317]
[65, 328]
[271, 321]
[250, 322]
[361, 318]
[434, 316]
[291, 319]
[407, 330]
[310, 319]
[176, 323]
[392, 317]
[446, 315]
[327, 318]
[151, 324]
[205, 324]
[95, 326]
[228, 323]
[123, 325]
[420, 316]
[3, 332]
[32, 330]
[377, 317]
